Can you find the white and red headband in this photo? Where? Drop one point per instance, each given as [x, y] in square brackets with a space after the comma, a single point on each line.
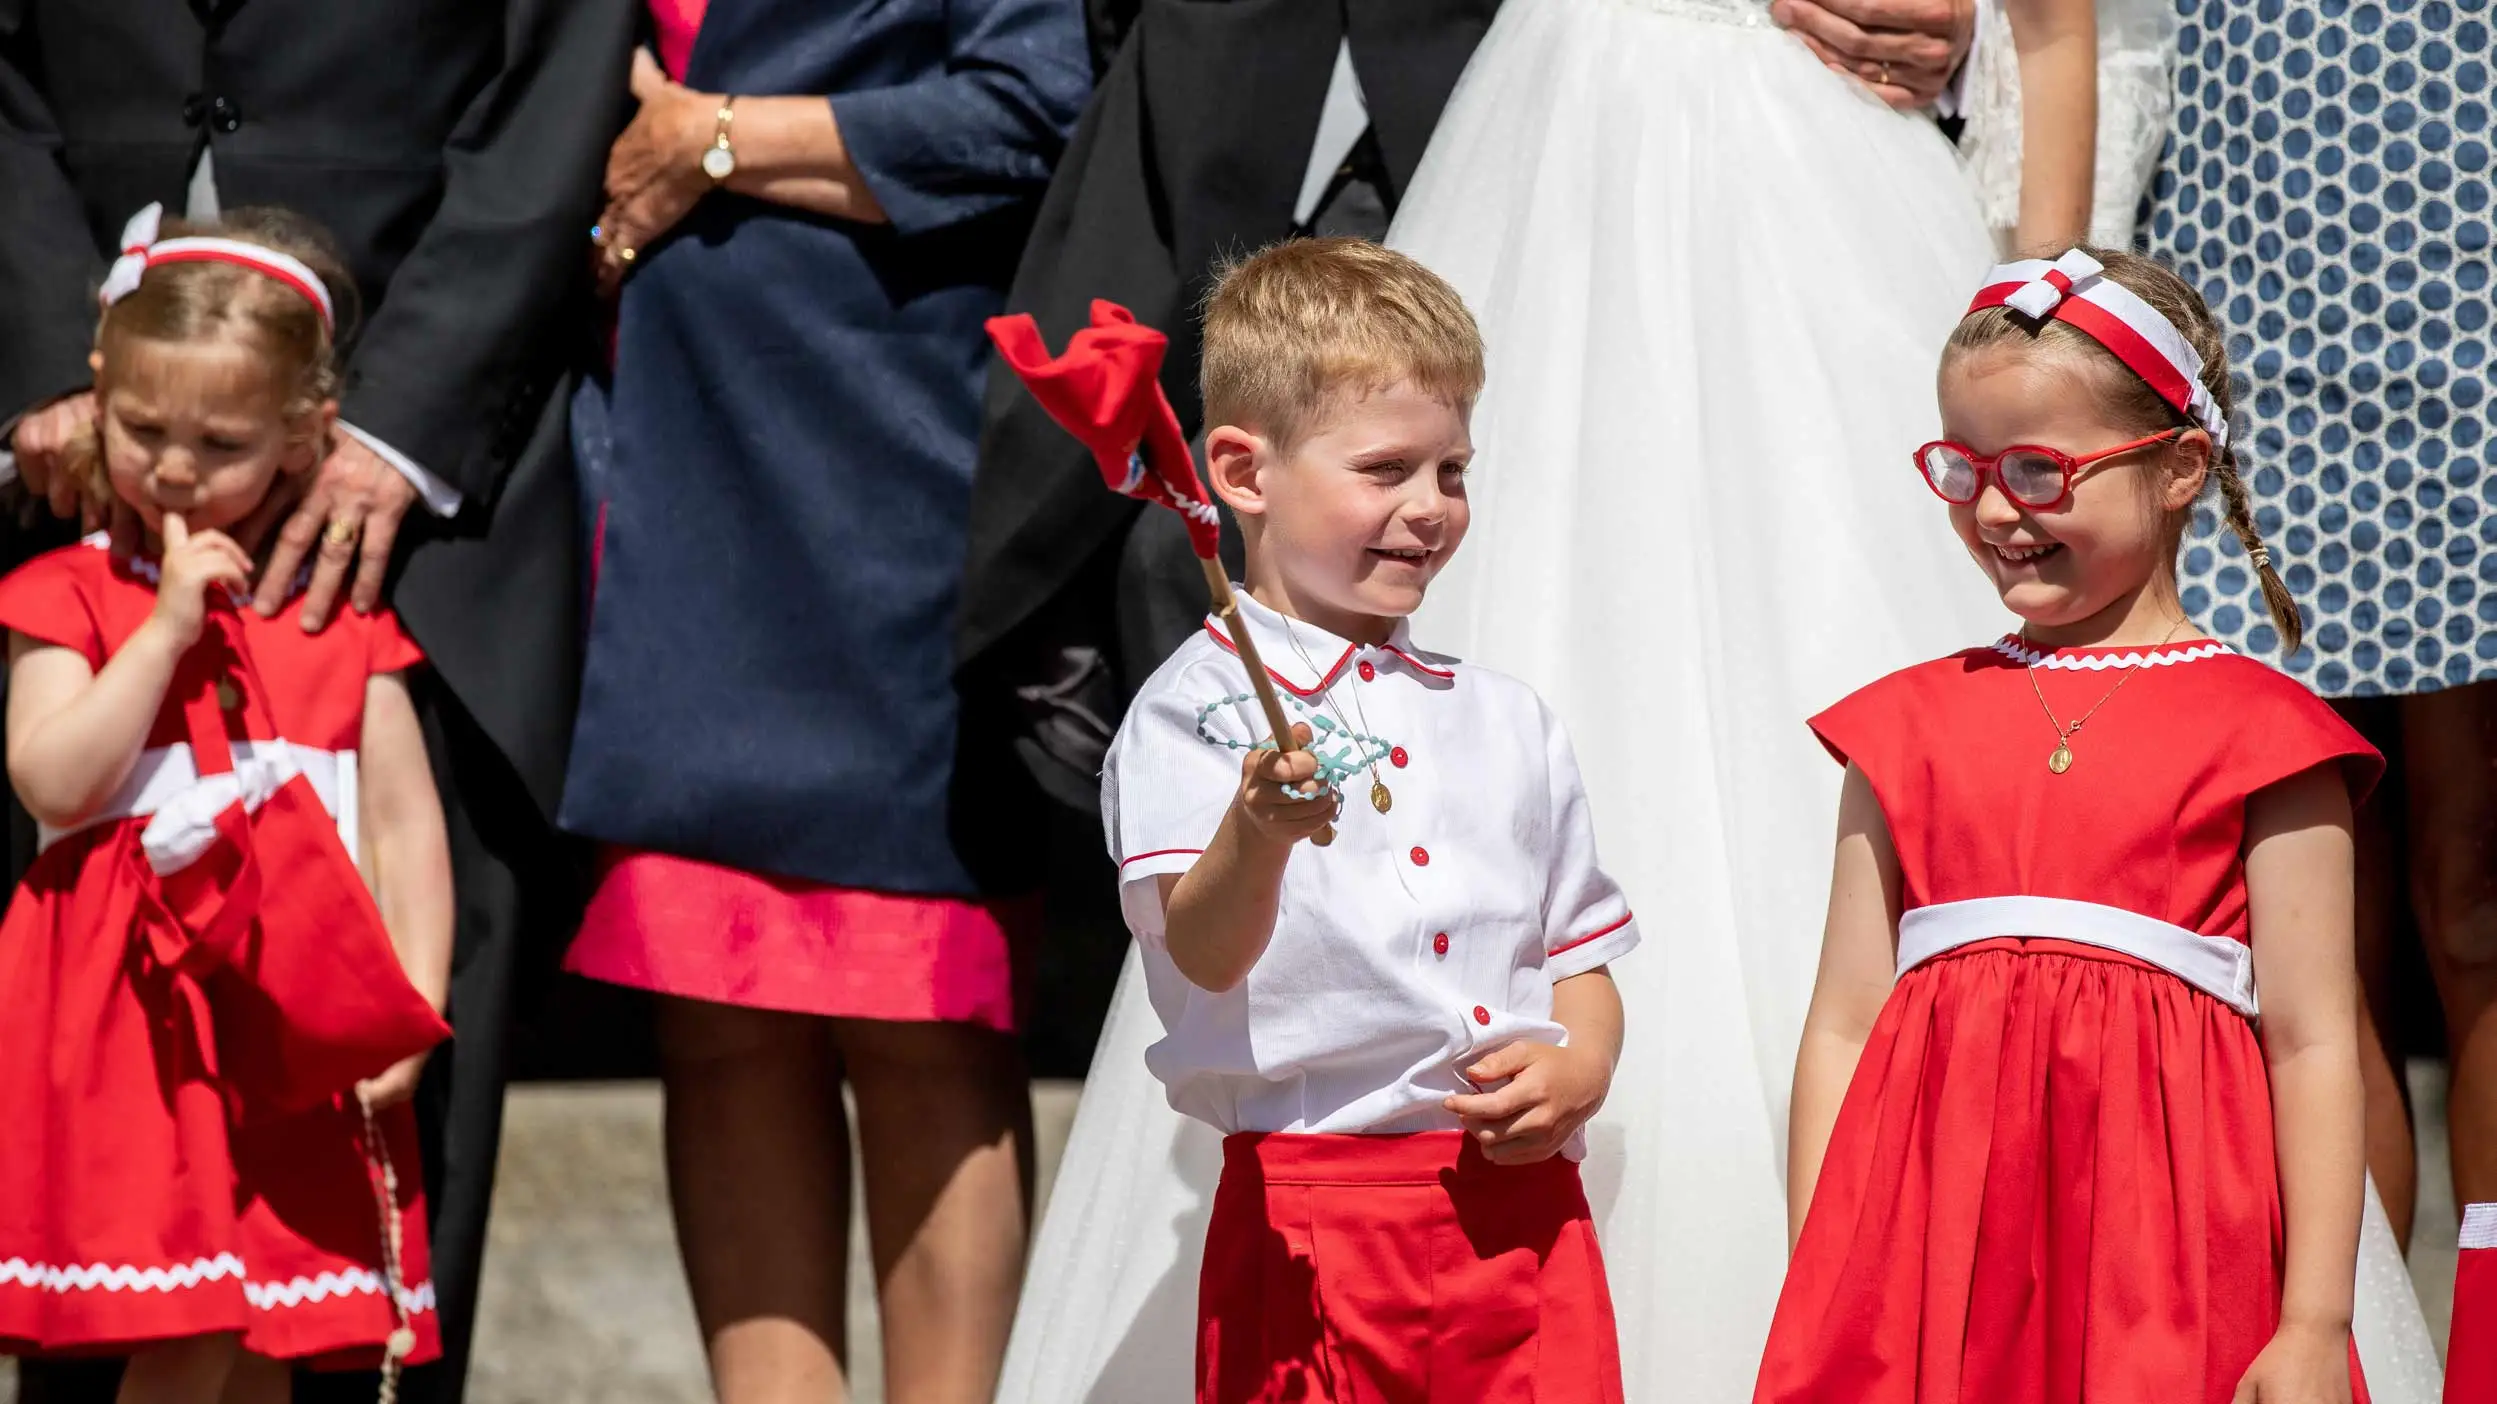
[2076, 290]
[142, 250]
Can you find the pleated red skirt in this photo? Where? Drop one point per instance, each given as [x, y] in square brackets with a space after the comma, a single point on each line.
[1400, 1270]
[2471, 1359]
[2052, 1180]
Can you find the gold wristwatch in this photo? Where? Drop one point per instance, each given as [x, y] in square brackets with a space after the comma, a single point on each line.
[720, 162]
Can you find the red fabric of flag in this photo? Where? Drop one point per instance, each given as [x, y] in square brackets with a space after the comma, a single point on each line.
[1106, 390]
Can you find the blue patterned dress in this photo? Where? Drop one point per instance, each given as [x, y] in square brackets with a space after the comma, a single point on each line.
[2327, 186]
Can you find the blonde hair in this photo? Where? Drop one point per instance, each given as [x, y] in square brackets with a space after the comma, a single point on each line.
[194, 301]
[2129, 400]
[1298, 323]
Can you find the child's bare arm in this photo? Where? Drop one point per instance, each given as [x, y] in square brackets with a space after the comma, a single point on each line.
[1220, 913]
[75, 731]
[1859, 948]
[2057, 42]
[1545, 1092]
[2299, 888]
[407, 855]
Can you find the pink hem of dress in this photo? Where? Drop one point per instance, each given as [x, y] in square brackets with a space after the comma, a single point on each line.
[702, 931]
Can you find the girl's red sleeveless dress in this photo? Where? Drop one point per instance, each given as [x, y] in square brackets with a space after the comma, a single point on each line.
[2052, 1179]
[146, 1194]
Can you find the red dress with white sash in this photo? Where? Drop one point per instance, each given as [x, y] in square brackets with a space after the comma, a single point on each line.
[2053, 1178]
[194, 980]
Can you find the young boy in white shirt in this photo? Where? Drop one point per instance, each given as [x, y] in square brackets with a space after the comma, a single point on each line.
[1401, 1031]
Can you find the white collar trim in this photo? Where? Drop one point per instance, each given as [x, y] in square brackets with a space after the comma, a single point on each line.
[2011, 647]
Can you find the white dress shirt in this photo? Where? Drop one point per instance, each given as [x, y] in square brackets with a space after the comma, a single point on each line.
[1420, 940]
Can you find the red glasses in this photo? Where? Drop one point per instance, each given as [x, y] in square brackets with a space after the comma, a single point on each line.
[2029, 474]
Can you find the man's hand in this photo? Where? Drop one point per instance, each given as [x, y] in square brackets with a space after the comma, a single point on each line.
[1546, 1093]
[352, 512]
[42, 442]
[1904, 50]
[654, 170]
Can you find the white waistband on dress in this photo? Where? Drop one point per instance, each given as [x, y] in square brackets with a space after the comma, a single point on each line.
[181, 806]
[2215, 965]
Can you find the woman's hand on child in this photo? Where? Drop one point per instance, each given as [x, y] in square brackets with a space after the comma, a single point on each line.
[394, 1086]
[1548, 1093]
[1265, 800]
[2302, 1365]
[43, 441]
[193, 562]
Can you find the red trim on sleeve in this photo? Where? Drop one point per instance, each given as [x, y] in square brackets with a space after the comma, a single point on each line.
[1160, 853]
[1591, 936]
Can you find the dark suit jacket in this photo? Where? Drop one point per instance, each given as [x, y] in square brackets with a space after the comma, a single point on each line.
[454, 148]
[1193, 148]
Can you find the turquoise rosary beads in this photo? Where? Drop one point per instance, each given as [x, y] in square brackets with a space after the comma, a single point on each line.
[1340, 751]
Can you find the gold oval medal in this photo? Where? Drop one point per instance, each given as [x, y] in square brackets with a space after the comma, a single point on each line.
[1380, 799]
[2061, 761]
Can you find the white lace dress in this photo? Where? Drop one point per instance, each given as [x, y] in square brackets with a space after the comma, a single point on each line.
[2136, 54]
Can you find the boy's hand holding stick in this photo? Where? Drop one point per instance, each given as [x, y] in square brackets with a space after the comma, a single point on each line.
[1106, 390]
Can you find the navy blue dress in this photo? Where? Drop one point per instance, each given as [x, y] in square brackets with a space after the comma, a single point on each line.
[778, 469]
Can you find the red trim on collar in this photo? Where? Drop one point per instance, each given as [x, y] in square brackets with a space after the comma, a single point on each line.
[1327, 679]
[1590, 936]
[1286, 683]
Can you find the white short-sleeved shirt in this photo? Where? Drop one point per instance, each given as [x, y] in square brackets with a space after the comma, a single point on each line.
[1420, 940]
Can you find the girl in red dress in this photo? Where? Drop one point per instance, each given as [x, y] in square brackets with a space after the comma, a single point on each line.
[214, 1025]
[2049, 1153]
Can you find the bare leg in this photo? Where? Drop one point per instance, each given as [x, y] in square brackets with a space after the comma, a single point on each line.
[190, 1371]
[2392, 1154]
[2449, 741]
[258, 1380]
[945, 1130]
[758, 1172]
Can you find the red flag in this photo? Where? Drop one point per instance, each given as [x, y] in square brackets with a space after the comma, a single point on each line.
[1106, 390]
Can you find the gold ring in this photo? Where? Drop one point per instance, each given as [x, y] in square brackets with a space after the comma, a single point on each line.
[1885, 75]
[343, 531]
[624, 255]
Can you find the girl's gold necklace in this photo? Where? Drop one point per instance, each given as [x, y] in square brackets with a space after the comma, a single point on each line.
[2062, 758]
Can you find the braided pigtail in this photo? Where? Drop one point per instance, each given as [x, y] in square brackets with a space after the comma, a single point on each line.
[2240, 519]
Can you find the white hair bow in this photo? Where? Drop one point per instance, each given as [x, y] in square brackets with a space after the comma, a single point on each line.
[2043, 294]
[137, 237]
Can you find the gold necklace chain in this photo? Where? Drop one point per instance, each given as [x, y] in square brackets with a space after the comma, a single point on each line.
[1381, 799]
[2062, 758]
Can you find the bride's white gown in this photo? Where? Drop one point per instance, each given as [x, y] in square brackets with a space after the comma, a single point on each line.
[1715, 280]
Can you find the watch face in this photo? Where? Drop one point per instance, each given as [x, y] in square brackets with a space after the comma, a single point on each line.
[719, 163]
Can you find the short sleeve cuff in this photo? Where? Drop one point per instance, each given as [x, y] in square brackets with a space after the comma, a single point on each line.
[1599, 943]
[1156, 862]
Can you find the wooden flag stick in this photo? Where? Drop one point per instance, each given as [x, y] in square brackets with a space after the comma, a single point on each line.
[1227, 609]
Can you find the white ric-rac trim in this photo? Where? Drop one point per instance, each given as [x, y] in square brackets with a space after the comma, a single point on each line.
[2215, 965]
[2012, 648]
[266, 1296]
[2479, 1226]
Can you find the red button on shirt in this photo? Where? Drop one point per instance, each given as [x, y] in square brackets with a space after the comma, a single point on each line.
[1439, 944]
[1368, 673]
[1397, 757]
[1421, 856]
[1481, 1015]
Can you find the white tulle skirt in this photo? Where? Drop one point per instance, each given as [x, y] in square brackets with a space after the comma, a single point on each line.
[1715, 280]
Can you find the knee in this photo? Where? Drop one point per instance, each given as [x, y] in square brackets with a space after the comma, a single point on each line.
[2454, 896]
